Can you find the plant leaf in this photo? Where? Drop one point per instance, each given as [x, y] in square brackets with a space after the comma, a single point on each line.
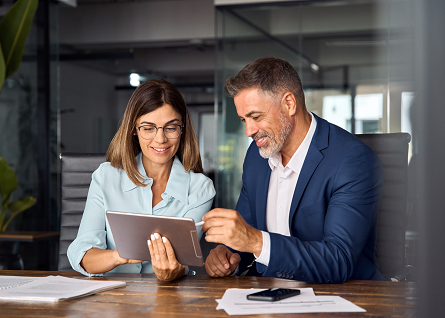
[19, 206]
[2, 68]
[14, 29]
[8, 179]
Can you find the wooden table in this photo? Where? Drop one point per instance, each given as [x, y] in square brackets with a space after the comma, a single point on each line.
[27, 236]
[194, 296]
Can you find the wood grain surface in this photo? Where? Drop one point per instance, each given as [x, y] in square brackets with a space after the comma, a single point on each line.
[194, 296]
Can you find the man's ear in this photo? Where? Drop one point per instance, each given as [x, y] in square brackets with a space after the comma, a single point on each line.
[289, 103]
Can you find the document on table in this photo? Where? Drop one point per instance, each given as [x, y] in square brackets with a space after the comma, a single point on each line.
[53, 288]
[14, 281]
[234, 302]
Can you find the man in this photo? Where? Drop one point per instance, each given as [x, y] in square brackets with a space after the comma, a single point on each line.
[308, 205]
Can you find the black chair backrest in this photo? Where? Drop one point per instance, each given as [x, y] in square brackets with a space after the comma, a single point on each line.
[392, 150]
[76, 170]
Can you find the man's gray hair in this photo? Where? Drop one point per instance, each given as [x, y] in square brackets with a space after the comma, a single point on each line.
[271, 76]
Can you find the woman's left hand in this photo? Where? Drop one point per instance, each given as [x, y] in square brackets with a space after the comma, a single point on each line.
[163, 258]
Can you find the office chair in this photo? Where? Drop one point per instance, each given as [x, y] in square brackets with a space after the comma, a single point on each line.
[76, 170]
[392, 150]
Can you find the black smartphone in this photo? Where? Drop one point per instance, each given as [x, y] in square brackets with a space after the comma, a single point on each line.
[273, 294]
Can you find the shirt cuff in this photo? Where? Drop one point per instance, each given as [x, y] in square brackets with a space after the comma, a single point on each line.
[76, 258]
[265, 252]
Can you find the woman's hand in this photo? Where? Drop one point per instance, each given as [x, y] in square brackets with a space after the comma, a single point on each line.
[123, 261]
[163, 258]
[98, 261]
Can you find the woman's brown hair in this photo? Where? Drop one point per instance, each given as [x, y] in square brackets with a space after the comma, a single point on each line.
[148, 97]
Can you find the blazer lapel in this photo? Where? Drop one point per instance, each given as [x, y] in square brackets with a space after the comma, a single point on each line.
[311, 162]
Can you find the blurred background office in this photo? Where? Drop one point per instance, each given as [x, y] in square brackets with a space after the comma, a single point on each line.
[368, 66]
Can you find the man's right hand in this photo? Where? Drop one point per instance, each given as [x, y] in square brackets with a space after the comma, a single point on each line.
[221, 262]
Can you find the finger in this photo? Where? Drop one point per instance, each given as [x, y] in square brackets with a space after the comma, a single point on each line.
[221, 239]
[220, 263]
[162, 254]
[150, 248]
[169, 251]
[222, 254]
[212, 269]
[219, 213]
[209, 271]
[155, 248]
[235, 259]
[215, 223]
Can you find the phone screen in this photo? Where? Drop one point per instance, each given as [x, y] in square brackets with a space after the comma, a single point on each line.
[273, 294]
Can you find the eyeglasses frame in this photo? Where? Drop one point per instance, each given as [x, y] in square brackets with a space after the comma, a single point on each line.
[180, 126]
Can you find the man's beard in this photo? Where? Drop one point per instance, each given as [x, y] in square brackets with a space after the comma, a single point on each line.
[277, 142]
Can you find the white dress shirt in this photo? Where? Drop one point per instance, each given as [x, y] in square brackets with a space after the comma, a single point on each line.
[281, 191]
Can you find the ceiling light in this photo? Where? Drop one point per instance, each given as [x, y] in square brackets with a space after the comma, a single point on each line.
[134, 79]
[315, 67]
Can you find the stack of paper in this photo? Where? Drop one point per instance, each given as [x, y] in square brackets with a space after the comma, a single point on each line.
[234, 302]
[51, 288]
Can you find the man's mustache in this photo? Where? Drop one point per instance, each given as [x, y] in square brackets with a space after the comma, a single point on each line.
[261, 135]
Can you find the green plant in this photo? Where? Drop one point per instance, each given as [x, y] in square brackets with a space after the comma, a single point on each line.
[8, 183]
[14, 29]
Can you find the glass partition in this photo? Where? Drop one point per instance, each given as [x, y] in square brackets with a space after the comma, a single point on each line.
[353, 59]
[29, 137]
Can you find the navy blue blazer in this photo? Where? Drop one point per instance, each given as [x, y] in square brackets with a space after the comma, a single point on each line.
[333, 214]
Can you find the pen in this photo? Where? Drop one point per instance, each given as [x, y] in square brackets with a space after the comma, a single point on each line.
[199, 223]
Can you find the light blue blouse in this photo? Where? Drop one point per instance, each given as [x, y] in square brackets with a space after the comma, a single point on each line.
[187, 194]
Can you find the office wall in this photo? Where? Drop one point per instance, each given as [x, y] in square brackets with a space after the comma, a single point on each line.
[88, 105]
[137, 22]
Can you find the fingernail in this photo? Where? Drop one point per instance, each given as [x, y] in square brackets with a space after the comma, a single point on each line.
[152, 237]
[148, 242]
[226, 265]
[164, 239]
[156, 235]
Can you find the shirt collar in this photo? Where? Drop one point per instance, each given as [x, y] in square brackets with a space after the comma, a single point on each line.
[276, 159]
[177, 184]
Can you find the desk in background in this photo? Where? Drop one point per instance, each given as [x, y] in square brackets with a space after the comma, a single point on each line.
[12, 259]
[194, 296]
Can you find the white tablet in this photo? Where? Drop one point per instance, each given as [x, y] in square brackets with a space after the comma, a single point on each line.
[132, 230]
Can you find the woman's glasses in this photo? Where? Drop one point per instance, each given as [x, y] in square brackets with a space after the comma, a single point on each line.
[149, 132]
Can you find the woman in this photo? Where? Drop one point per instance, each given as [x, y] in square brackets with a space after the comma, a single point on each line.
[153, 167]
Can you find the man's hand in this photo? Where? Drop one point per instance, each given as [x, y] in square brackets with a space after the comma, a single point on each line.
[221, 262]
[229, 228]
[163, 259]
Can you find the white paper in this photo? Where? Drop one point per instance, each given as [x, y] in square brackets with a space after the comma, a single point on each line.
[236, 295]
[234, 302]
[55, 288]
[14, 281]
